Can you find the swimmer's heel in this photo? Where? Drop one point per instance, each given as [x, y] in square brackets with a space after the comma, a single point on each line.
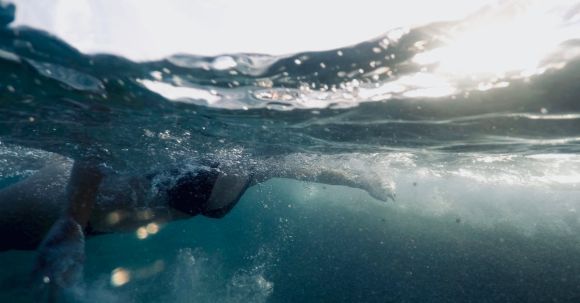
[59, 267]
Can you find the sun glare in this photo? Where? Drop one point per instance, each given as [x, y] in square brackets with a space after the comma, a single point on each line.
[515, 46]
[501, 41]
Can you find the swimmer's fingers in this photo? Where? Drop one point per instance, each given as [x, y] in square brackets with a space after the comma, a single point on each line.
[380, 191]
[61, 255]
[382, 195]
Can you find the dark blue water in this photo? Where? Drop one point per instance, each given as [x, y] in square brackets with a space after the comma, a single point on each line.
[486, 174]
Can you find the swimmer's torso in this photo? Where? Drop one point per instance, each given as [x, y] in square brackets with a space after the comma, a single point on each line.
[125, 203]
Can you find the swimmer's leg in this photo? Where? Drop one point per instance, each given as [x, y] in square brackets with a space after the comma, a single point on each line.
[61, 254]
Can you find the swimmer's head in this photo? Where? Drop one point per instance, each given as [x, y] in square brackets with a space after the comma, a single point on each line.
[191, 191]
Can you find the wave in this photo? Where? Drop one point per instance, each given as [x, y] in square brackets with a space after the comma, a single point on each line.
[395, 92]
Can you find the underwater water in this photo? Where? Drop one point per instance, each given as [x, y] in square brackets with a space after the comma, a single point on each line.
[480, 150]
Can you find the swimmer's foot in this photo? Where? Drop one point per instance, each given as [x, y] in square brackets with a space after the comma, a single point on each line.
[60, 260]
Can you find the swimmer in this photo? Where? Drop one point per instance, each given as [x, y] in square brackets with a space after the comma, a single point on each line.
[55, 208]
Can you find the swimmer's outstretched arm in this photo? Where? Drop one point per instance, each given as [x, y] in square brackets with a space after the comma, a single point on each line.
[85, 179]
[288, 168]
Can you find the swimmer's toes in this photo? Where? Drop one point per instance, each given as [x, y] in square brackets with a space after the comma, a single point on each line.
[61, 256]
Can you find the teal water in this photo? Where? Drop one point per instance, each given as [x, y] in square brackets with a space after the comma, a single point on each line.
[486, 180]
[330, 243]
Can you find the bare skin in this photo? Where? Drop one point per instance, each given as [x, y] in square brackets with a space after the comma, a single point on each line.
[53, 209]
[30, 207]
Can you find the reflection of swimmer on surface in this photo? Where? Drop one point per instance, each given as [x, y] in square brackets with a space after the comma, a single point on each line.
[103, 203]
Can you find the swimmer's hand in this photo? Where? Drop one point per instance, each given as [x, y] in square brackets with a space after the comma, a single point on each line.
[60, 259]
[379, 190]
[381, 194]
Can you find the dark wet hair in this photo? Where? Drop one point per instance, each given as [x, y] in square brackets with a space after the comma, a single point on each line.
[192, 191]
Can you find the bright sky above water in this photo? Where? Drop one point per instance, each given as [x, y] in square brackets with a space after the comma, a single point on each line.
[151, 29]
